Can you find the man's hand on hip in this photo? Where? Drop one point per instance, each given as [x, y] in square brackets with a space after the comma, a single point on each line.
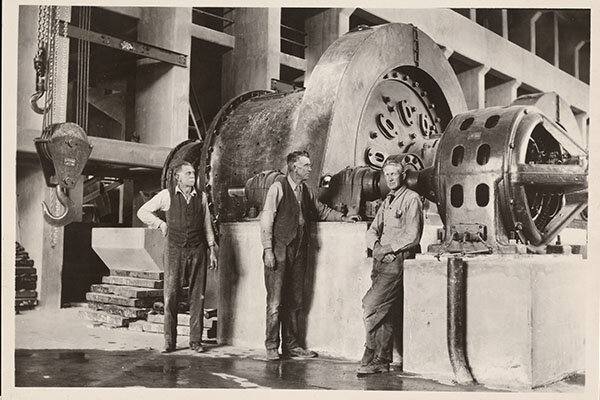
[379, 251]
[163, 228]
[269, 259]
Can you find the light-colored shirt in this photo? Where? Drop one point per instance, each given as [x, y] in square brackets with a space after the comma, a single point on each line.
[162, 202]
[398, 222]
[274, 196]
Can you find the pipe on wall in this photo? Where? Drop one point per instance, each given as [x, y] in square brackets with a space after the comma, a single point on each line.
[456, 321]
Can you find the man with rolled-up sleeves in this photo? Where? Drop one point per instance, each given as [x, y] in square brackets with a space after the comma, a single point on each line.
[393, 236]
[189, 232]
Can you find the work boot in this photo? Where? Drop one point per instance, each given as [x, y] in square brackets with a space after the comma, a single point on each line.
[272, 355]
[374, 367]
[367, 357]
[197, 347]
[299, 352]
[169, 348]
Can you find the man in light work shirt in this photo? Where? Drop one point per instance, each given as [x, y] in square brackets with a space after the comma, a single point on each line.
[393, 236]
[189, 231]
[289, 206]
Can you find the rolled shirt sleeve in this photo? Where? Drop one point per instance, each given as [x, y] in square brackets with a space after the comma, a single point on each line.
[267, 215]
[324, 212]
[208, 228]
[374, 231]
[160, 202]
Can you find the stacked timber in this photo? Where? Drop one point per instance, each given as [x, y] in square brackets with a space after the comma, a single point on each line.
[123, 297]
[155, 323]
[25, 280]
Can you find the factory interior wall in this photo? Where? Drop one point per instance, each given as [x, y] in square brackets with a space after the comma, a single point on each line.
[29, 229]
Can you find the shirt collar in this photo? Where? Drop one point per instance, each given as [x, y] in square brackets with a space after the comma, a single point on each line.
[292, 183]
[395, 194]
[178, 190]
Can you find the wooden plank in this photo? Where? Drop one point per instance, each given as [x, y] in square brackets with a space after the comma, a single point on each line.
[25, 271]
[25, 285]
[118, 300]
[103, 317]
[182, 319]
[154, 275]
[151, 327]
[128, 291]
[128, 312]
[25, 303]
[26, 278]
[127, 281]
[26, 294]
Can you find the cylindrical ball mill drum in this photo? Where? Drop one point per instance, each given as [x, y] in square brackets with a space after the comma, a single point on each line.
[375, 91]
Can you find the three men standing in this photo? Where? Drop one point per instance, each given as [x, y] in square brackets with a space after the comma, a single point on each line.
[289, 205]
[189, 231]
[393, 236]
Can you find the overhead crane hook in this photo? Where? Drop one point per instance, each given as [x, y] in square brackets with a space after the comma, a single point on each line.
[67, 216]
[63, 150]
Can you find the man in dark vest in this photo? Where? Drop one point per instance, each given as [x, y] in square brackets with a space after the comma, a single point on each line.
[289, 206]
[188, 229]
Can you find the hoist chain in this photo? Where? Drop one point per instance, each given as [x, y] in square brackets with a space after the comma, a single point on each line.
[42, 57]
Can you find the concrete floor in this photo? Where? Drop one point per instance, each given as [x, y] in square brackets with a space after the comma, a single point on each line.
[59, 349]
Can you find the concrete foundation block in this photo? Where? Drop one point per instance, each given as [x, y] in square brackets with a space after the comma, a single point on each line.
[129, 249]
[525, 313]
[336, 280]
[525, 318]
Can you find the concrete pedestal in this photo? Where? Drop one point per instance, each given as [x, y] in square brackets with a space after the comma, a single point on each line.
[525, 314]
[337, 278]
[525, 318]
[131, 249]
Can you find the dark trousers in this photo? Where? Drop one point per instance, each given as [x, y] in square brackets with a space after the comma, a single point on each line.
[379, 304]
[185, 266]
[285, 287]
